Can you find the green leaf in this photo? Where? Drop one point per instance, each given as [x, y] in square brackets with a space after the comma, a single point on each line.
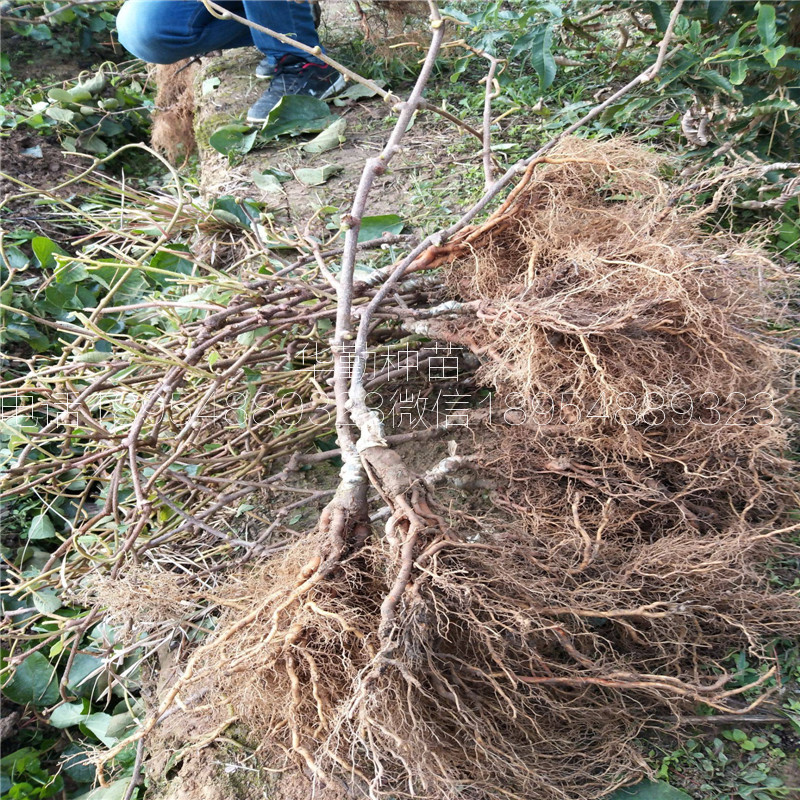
[93, 357]
[541, 54]
[79, 682]
[75, 760]
[18, 427]
[374, 227]
[41, 527]
[34, 682]
[521, 44]
[120, 724]
[61, 114]
[60, 96]
[248, 337]
[232, 210]
[789, 232]
[15, 258]
[229, 219]
[737, 735]
[296, 114]
[660, 15]
[356, 91]
[94, 144]
[315, 177]
[774, 54]
[266, 182]
[738, 72]
[67, 715]
[71, 272]
[767, 30]
[114, 791]
[280, 174]
[45, 249]
[98, 725]
[235, 138]
[130, 290]
[169, 260]
[720, 82]
[648, 790]
[108, 127]
[771, 106]
[78, 95]
[330, 138]
[717, 10]
[46, 601]
[93, 85]
[456, 14]
[460, 67]
[62, 296]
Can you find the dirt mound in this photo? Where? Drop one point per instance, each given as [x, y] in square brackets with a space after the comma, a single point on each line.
[636, 452]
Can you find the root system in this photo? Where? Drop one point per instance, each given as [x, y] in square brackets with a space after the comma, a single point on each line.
[173, 121]
[636, 448]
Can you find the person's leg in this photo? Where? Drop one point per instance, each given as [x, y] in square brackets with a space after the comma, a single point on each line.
[293, 18]
[166, 31]
[295, 72]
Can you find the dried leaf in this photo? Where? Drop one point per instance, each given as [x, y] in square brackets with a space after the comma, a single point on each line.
[331, 137]
[315, 177]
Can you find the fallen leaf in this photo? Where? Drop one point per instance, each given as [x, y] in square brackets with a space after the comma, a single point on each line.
[236, 138]
[331, 137]
[648, 790]
[267, 183]
[374, 227]
[315, 177]
[296, 114]
[280, 174]
[356, 91]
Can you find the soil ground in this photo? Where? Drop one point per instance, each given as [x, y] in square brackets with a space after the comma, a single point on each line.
[52, 64]
[35, 160]
[367, 124]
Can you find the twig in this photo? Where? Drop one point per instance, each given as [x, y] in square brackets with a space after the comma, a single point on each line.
[734, 719]
[664, 46]
[367, 421]
[136, 776]
[50, 14]
[492, 91]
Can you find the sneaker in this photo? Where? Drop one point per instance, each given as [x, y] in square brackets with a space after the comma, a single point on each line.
[266, 67]
[294, 76]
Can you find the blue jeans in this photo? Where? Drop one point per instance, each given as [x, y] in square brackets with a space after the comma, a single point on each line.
[166, 31]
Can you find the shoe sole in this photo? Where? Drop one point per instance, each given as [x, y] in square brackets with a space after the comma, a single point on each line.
[335, 88]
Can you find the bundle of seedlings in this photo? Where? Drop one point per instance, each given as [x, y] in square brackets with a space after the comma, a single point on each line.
[625, 487]
[474, 643]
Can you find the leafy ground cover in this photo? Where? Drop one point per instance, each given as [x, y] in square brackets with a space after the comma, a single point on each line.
[107, 283]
